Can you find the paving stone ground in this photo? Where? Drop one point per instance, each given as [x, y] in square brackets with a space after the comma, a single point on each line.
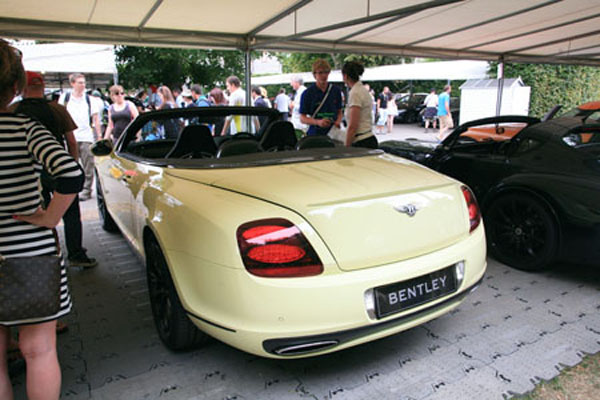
[517, 329]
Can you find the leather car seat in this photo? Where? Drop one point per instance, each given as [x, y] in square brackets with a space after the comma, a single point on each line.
[280, 135]
[194, 141]
[313, 142]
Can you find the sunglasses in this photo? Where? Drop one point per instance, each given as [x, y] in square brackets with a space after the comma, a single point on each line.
[118, 94]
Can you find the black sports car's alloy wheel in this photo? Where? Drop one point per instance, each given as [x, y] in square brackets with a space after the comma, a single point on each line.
[521, 232]
[108, 224]
[172, 323]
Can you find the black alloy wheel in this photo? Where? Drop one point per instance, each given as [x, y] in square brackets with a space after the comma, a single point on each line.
[174, 327]
[521, 232]
[108, 223]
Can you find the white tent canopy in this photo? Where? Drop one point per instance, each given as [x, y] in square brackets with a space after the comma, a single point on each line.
[442, 70]
[555, 31]
[57, 60]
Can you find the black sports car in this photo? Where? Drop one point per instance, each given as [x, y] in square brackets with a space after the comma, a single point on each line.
[539, 190]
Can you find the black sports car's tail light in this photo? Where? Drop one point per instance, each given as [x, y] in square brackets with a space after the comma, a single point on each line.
[474, 213]
[275, 248]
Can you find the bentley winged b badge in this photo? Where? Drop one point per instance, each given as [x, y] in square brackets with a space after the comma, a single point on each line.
[408, 209]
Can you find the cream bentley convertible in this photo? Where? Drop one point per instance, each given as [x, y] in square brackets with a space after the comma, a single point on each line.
[284, 247]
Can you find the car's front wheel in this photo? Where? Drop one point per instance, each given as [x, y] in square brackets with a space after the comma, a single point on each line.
[521, 231]
[174, 327]
[108, 223]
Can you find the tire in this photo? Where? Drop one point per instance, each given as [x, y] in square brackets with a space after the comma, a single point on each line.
[108, 223]
[521, 232]
[173, 325]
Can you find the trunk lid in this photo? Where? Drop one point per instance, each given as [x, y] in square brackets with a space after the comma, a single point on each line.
[361, 207]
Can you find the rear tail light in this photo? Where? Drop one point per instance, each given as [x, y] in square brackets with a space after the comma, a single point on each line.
[276, 248]
[474, 213]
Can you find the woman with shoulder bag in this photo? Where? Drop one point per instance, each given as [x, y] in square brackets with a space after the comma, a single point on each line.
[358, 109]
[26, 234]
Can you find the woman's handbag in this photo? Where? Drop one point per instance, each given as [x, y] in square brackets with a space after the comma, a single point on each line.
[30, 286]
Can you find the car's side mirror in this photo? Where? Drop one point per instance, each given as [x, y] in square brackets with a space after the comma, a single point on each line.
[102, 147]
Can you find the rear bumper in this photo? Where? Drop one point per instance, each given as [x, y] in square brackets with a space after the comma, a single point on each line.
[293, 318]
[309, 344]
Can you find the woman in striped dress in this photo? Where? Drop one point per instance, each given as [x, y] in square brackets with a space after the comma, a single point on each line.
[25, 228]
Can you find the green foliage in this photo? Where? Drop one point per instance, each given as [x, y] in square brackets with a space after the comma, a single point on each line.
[302, 62]
[569, 85]
[141, 66]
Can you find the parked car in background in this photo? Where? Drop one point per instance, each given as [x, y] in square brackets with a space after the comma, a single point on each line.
[284, 248]
[538, 190]
[454, 111]
[590, 112]
[409, 106]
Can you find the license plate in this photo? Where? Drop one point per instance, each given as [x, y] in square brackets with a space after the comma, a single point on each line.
[400, 296]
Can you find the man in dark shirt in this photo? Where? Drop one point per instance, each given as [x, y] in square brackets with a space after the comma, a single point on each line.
[321, 104]
[57, 119]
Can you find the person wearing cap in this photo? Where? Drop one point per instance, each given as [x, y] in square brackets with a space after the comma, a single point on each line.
[188, 98]
[120, 113]
[58, 121]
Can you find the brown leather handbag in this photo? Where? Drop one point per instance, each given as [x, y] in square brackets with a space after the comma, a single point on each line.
[29, 287]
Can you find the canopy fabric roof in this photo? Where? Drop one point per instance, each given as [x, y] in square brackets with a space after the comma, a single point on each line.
[442, 70]
[554, 31]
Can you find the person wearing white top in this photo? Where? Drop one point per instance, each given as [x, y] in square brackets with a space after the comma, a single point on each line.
[237, 97]
[431, 104]
[358, 109]
[298, 86]
[282, 102]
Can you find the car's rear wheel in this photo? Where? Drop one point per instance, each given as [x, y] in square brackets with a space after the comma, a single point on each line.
[174, 327]
[108, 223]
[521, 231]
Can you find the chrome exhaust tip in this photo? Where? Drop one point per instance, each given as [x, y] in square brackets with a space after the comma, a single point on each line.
[304, 348]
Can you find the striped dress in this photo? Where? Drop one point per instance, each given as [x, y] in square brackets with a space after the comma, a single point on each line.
[25, 147]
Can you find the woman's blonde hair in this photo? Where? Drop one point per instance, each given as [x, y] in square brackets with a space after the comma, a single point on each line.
[321, 65]
[12, 73]
[114, 89]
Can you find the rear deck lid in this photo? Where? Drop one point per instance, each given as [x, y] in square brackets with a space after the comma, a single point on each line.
[369, 211]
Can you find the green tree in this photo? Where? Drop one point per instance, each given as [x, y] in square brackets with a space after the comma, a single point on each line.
[141, 66]
[568, 85]
[302, 62]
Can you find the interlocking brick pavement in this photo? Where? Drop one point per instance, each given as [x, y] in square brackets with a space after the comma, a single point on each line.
[515, 330]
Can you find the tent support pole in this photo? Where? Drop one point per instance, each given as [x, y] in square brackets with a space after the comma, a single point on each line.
[247, 60]
[500, 85]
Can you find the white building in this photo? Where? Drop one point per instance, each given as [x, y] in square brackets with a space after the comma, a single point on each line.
[479, 97]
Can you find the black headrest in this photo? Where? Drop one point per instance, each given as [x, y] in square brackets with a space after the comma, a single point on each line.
[238, 147]
[280, 135]
[194, 141]
[312, 142]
